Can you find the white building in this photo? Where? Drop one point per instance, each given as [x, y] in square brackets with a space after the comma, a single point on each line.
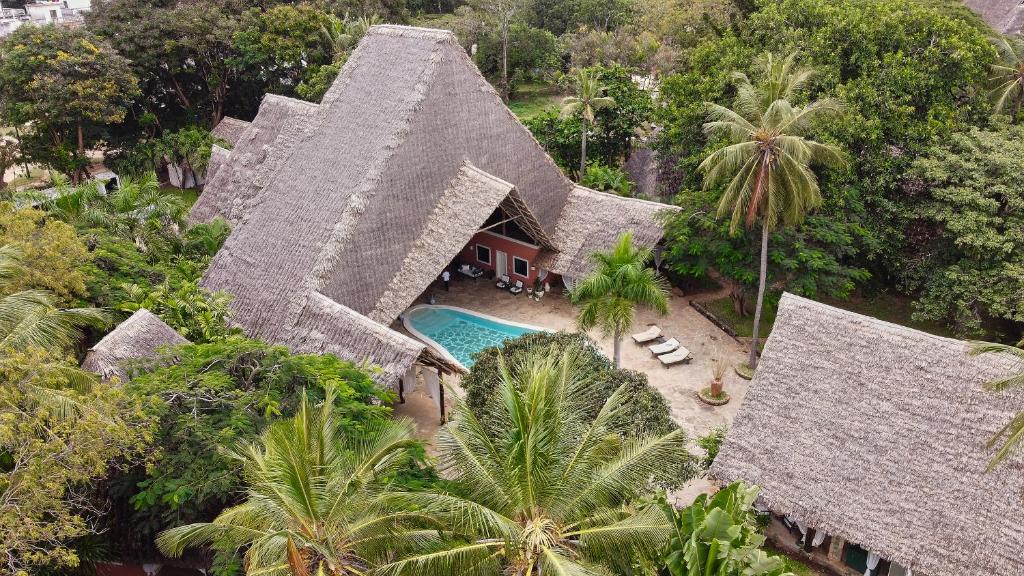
[57, 11]
[11, 19]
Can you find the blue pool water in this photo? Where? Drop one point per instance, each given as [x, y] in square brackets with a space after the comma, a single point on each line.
[462, 333]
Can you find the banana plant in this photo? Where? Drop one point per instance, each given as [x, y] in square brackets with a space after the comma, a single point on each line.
[720, 536]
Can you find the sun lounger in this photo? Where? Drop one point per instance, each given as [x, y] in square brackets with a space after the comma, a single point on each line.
[646, 336]
[518, 288]
[681, 355]
[503, 282]
[670, 345]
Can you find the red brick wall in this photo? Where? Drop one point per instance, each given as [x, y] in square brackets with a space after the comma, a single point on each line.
[509, 247]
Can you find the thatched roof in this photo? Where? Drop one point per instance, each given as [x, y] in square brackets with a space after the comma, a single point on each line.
[362, 199]
[256, 154]
[593, 221]
[876, 433]
[1004, 16]
[230, 129]
[137, 338]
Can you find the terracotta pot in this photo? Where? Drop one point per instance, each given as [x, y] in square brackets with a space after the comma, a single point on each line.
[716, 388]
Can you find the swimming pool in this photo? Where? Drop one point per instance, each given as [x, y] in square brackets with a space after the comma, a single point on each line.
[460, 333]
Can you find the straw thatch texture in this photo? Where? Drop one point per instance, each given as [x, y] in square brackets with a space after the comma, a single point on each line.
[218, 157]
[1005, 16]
[137, 338]
[470, 198]
[230, 130]
[362, 199]
[593, 221]
[256, 154]
[876, 433]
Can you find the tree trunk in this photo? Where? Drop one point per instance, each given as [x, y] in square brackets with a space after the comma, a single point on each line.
[618, 349]
[78, 178]
[24, 164]
[752, 361]
[583, 151]
[504, 60]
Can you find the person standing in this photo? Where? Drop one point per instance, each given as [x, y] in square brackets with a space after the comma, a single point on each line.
[446, 278]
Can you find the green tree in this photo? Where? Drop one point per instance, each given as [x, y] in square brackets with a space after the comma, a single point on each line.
[765, 164]
[219, 395]
[51, 252]
[644, 411]
[317, 500]
[607, 179]
[1008, 76]
[970, 215]
[720, 536]
[50, 453]
[502, 14]
[588, 99]
[31, 317]
[552, 493]
[1012, 434]
[69, 85]
[608, 298]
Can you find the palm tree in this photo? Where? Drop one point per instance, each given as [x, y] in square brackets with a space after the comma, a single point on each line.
[316, 499]
[342, 34]
[766, 164]
[588, 99]
[32, 318]
[1013, 433]
[549, 492]
[608, 298]
[1008, 75]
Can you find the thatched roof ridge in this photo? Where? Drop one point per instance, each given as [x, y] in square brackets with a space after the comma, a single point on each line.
[1004, 16]
[876, 433]
[258, 151]
[466, 204]
[230, 129]
[593, 221]
[137, 338]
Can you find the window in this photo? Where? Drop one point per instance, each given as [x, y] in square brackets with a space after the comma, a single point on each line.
[520, 267]
[483, 254]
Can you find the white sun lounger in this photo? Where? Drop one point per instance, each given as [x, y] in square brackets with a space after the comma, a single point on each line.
[665, 347]
[518, 288]
[681, 355]
[646, 336]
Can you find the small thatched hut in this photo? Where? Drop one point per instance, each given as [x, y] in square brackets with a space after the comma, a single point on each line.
[137, 338]
[343, 213]
[1004, 16]
[869, 439]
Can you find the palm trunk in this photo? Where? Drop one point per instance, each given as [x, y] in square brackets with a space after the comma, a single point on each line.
[79, 173]
[583, 151]
[504, 61]
[618, 349]
[752, 361]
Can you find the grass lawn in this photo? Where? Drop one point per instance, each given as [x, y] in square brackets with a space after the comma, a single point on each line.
[533, 99]
[889, 307]
[187, 196]
[799, 568]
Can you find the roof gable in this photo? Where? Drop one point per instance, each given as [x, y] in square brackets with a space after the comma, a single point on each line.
[876, 433]
[137, 338]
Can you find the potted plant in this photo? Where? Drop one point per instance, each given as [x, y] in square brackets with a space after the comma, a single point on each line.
[538, 287]
[714, 394]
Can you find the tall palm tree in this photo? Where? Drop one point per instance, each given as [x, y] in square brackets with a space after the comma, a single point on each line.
[550, 492]
[1008, 75]
[588, 99]
[32, 318]
[608, 298]
[1012, 435]
[766, 164]
[316, 499]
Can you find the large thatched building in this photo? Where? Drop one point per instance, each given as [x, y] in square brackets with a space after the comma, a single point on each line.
[343, 213]
[138, 338]
[869, 439]
[1004, 16]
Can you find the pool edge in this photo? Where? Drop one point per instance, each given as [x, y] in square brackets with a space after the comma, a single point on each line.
[444, 351]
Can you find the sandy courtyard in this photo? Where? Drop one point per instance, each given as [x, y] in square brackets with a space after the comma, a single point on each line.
[678, 384]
